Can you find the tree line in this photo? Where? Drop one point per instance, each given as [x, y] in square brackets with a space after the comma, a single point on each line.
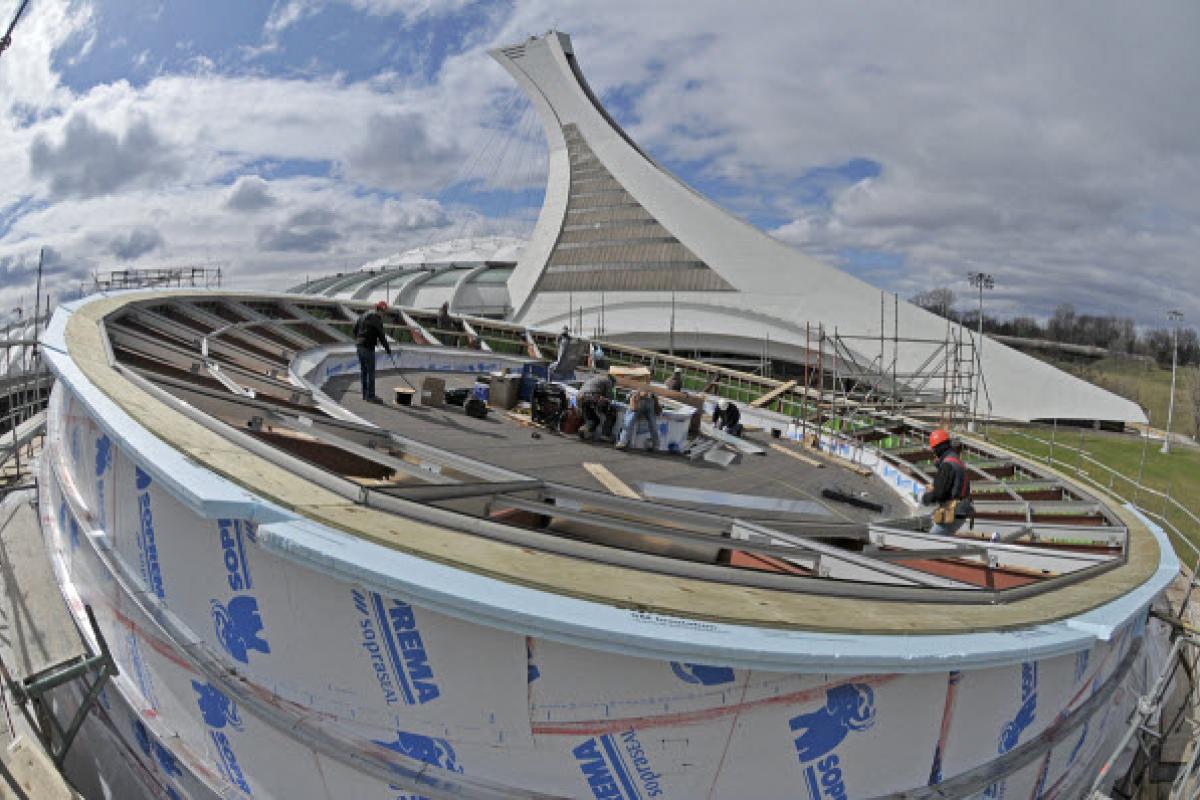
[1117, 334]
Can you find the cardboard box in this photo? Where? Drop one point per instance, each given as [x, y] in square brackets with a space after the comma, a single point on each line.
[634, 374]
[504, 391]
[433, 391]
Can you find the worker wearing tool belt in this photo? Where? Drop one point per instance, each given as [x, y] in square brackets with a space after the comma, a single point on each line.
[951, 491]
[643, 404]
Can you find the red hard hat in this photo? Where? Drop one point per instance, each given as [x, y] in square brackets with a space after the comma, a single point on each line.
[381, 305]
[940, 436]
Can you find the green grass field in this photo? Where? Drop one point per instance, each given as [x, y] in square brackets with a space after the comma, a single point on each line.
[1177, 473]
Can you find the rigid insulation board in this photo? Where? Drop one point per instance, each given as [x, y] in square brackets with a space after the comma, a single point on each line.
[246, 673]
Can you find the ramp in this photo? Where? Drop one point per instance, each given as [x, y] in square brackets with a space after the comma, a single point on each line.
[36, 630]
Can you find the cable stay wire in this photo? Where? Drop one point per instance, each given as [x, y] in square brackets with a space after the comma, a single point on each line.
[463, 175]
[478, 174]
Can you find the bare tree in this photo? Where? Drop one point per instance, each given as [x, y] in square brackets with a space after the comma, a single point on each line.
[939, 301]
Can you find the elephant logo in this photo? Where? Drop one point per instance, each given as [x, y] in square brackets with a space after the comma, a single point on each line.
[435, 752]
[702, 674]
[217, 709]
[238, 626]
[849, 707]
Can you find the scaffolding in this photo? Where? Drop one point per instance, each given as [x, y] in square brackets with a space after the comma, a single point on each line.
[196, 277]
[1163, 730]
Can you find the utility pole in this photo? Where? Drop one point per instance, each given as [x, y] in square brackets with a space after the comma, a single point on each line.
[1175, 316]
[6, 40]
[671, 340]
[37, 300]
[980, 280]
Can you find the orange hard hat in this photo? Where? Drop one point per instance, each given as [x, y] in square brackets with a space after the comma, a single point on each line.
[381, 305]
[940, 436]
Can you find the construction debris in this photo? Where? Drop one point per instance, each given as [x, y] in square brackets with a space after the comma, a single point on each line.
[851, 500]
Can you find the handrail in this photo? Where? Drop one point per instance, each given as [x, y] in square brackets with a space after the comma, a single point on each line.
[1084, 476]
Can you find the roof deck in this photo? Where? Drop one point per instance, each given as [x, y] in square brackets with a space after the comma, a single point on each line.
[752, 542]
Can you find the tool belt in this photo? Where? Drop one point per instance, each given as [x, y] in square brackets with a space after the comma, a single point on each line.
[949, 511]
[944, 514]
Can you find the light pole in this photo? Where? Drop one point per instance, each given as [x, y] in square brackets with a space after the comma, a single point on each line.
[981, 281]
[1174, 316]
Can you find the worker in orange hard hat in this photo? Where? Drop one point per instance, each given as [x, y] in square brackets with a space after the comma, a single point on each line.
[951, 490]
[369, 334]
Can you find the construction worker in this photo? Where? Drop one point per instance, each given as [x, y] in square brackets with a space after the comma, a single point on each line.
[368, 334]
[443, 321]
[951, 490]
[564, 344]
[726, 417]
[595, 404]
[643, 404]
[675, 382]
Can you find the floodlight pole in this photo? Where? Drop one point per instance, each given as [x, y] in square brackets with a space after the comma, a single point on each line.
[980, 280]
[1175, 316]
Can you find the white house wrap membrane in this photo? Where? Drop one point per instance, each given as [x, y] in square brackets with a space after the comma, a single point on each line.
[265, 655]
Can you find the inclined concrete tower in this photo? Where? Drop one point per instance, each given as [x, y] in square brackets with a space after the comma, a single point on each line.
[622, 242]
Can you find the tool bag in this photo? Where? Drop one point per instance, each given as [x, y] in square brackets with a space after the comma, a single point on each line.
[945, 513]
[474, 407]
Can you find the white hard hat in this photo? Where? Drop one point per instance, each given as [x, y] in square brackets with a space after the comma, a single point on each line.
[724, 405]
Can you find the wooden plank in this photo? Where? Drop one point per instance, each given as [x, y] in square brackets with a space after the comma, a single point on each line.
[797, 455]
[771, 395]
[610, 481]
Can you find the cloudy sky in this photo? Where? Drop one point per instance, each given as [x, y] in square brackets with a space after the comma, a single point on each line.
[1056, 146]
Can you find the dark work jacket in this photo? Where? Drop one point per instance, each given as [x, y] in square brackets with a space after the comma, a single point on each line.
[951, 481]
[598, 385]
[368, 331]
[730, 416]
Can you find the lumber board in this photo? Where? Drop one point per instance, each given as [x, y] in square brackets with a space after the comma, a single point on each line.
[610, 481]
[759, 402]
[797, 455]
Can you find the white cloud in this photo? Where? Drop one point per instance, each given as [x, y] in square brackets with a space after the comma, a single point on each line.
[249, 193]
[286, 13]
[1047, 144]
[89, 161]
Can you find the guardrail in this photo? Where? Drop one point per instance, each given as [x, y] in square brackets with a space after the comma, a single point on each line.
[1115, 478]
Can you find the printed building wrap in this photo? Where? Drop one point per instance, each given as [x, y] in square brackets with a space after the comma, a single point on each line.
[276, 639]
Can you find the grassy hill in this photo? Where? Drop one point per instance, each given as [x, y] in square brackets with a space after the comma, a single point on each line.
[1148, 385]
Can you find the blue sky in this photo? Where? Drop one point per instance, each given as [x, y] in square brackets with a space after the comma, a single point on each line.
[909, 146]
